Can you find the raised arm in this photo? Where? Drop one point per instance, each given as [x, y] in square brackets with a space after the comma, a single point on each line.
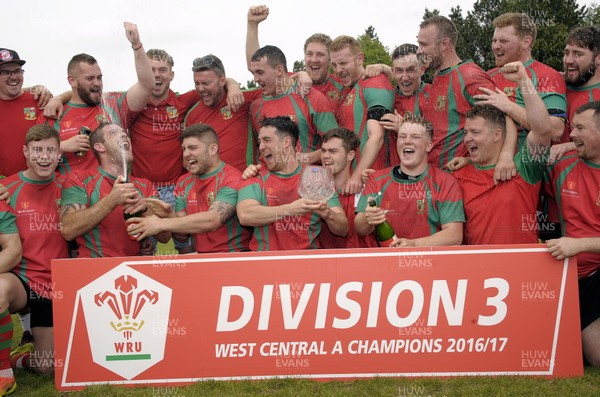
[256, 14]
[139, 93]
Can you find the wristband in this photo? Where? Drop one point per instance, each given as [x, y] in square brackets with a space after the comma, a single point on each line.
[137, 48]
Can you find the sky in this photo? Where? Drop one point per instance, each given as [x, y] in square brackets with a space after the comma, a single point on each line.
[48, 33]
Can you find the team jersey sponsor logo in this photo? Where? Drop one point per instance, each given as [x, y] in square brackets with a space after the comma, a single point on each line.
[172, 112]
[509, 91]
[442, 100]
[226, 113]
[570, 189]
[102, 118]
[408, 115]
[210, 198]
[333, 95]
[29, 113]
[420, 207]
[122, 310]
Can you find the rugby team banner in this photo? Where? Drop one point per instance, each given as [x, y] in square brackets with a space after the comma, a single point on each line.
[324, 314]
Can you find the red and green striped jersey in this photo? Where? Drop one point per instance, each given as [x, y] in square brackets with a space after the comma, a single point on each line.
[18, 115]
[503, 213]
[331, 88]
[577, 97]
[575, 184]
[352, 240]
[407, 107]
[109, 238]
[196, 193]
[354, 105]
[313, 114]
[549, 84]
[446, 101]
[416, 208]
[290, 232]
[155, 140]
[113, 109]
[508, 87]
[36, 205]
[237, 142]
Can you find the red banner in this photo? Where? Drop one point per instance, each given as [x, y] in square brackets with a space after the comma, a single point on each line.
[320, 314]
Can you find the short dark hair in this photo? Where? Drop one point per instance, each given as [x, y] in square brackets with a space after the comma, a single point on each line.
[40, 132]
[446, 28]
[97, 136]
[411, 118]
[594, 106]
[404, 49]
[202, 132]
[79, 58]
[490, 114]
[586, 37]
[274, 55]
[350, 141]
[208, 62]
[161, 56]
[284, 126]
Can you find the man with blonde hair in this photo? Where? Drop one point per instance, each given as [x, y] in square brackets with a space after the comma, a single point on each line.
[362, 104]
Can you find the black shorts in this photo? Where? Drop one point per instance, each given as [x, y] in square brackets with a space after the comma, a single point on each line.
[41, 308]
[589, 299]
[41, 311]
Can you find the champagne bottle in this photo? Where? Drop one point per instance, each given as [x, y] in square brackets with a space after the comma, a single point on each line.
[384, 231]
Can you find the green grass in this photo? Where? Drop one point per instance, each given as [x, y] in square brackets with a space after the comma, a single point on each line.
[32, 385]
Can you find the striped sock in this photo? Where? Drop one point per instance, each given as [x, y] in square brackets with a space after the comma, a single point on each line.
[6, 334]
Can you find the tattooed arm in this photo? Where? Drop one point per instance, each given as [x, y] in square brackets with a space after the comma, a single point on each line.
[217, 215]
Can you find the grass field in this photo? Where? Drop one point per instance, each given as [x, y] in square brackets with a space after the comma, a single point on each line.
[32, 385]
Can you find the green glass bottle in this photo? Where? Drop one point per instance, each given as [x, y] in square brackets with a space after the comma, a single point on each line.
[384, 231]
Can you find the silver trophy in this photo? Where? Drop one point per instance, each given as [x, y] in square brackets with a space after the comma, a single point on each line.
[316, 183]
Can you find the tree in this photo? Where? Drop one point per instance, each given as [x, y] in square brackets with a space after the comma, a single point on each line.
[250, 85]
[553, 18]
[373, 50]
[298, 66]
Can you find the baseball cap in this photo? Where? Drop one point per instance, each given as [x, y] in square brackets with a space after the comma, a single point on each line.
[10, 56]
[208, 62]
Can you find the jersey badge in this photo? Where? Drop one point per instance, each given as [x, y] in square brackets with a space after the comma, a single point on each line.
[29, 113]
[509, 91]
[226, 113]
[441, 102]
[349, 100]
[210, 198]
[102, 118]
[172, 112]
[333, 95]
[420, 207]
